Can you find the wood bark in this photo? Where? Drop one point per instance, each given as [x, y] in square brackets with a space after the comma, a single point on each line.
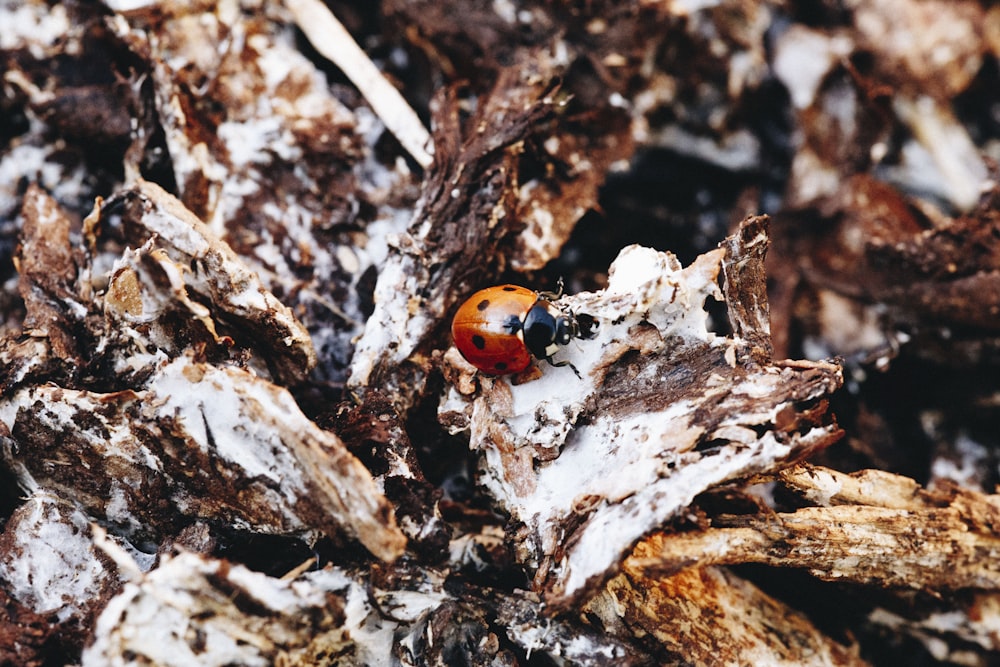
[234, 428]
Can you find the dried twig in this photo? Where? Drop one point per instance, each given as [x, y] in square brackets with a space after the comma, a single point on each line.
[330, 37]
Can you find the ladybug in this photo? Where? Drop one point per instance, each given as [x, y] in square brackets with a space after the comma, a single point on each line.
[499, 329]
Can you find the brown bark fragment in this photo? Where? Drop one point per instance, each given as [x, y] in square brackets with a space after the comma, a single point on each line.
[270, 253]
[746, 287]
[26, 638]
[48, 265]
[147, 460]
[710, 616]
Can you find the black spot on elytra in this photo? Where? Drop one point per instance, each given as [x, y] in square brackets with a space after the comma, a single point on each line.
[483, 305]
[479, 342]
[500, 366]
[508, 288]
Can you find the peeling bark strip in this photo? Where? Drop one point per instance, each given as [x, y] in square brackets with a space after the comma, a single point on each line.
[465, 210]
[475, 204]
[48, 261]
[871, 527]
[285, 168]
[746, 287]
[665, 410]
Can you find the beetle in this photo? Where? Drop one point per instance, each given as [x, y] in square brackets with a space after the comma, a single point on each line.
[499, 329]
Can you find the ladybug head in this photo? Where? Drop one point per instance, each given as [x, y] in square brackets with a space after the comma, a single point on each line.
[545, 327]
[566, 330]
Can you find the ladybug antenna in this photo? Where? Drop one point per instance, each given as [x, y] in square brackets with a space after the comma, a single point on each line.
[552, 296]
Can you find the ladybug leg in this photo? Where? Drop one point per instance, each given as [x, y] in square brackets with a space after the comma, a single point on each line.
[565, 362]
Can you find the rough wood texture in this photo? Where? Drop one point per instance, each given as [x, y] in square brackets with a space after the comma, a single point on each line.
[199, 440]
[871, 528]
[228, 394]
[665, 410]
[743, 624]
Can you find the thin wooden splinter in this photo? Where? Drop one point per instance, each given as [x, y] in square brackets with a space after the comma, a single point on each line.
[334, 42]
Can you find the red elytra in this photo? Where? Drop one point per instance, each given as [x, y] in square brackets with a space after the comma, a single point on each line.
[499, 329]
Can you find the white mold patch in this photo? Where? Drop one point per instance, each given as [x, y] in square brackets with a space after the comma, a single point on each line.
[48, 561]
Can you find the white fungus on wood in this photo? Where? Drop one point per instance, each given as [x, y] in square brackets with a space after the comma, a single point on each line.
[665, 409]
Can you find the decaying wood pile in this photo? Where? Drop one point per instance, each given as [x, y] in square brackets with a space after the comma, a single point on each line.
[234, 429]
